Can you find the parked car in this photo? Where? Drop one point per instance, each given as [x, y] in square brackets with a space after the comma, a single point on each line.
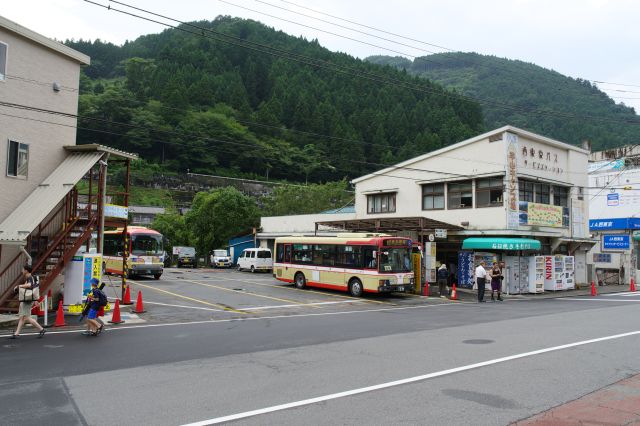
[186, 256]
[255, 259]
[220, 259]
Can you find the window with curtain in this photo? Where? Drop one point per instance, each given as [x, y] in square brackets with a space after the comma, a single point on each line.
[381, 203]
[433, 196]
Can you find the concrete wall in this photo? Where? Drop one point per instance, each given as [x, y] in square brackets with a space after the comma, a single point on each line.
[31, 61]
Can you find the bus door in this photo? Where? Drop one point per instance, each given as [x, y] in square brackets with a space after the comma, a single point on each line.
[287, 254]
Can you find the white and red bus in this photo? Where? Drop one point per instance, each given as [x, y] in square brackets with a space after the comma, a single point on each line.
[357, 263]
[146, 253]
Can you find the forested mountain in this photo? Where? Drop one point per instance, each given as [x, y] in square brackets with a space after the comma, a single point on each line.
[192, 101]
[526, 88]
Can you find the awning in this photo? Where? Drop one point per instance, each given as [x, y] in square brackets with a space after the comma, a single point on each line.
[501, 244]
[636, 236]
[36, 207]
[388, 224]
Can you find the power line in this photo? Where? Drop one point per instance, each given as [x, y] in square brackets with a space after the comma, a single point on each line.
[405, 37]
[358, 73]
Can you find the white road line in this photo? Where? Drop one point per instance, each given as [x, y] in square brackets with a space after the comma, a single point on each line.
[258, 308]
[583, 299]
[414, 379]
[242, 319]
[183, 306]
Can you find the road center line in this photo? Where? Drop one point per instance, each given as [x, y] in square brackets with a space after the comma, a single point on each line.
[414, 379]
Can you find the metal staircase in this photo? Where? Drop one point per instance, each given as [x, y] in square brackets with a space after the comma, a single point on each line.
[51, 247]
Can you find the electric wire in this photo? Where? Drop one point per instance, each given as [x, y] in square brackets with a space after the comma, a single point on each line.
[358, 73]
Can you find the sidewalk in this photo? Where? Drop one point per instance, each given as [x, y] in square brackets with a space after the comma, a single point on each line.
[617, 404]
[467, 294]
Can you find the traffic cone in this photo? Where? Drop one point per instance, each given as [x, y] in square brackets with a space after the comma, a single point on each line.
[632, 285]
[59, 316]
[454, 293]
[115, 318]
[594, 291]
[127, 296]
[101, 311]
[139, 307]
[425, 289]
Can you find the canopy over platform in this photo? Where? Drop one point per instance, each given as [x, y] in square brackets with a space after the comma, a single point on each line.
[501, 244]
[388, 224]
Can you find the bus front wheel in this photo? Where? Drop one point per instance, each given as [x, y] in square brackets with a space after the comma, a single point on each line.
[157, 276]
[300, 280]
[355, 287]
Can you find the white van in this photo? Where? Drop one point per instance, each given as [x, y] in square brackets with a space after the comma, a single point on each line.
[255, 259]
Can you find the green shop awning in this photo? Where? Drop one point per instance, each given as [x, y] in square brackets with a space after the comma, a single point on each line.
[501, 244]
[636, 236]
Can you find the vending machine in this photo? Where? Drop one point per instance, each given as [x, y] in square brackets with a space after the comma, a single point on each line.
[549, 280]
[536, 274]
[569, 273]
[558, 273]
[517, 274]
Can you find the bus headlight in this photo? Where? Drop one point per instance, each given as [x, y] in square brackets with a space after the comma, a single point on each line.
[383, 283]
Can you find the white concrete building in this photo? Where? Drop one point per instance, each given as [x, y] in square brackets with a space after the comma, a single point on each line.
[614, 208]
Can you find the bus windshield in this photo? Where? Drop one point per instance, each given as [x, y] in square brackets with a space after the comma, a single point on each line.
[395, 259]
[145, 244]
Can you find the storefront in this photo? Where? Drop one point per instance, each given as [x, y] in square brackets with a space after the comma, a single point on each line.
[614, 255]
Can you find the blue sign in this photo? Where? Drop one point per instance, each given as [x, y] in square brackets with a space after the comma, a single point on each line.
[616, 242]
[616, 223]
[613, 199]
[465, 269]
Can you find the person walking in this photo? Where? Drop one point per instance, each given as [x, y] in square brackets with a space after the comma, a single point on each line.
[481, 279]
[443, 280]
[24, 311]
[496, 280]
[93, 299]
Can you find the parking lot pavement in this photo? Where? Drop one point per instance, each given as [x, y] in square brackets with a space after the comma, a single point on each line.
[204, 294]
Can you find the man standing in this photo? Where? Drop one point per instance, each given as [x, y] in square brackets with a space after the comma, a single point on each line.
[443, 280]
[481, 278]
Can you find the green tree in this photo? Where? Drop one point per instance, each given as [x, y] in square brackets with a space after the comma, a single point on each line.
[315, 198]
[218, 215]
[174, 228]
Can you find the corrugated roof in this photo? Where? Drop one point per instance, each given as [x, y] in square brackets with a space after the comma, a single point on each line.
[34, 209]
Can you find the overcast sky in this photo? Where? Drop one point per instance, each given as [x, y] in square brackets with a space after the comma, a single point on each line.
[590, 39]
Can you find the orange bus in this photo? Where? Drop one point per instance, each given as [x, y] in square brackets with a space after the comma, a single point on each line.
[146, 253]
[357, 263]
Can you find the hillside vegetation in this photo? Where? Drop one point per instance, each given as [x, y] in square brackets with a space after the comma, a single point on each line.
[527, 88]
[194, 103]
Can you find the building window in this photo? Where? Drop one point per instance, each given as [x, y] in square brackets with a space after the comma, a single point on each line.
[433, 196]
[489, 192]
[381, 203]
[460, 195]
[17, 159]
[561, 196]
[525, 189]
[3, 61]
[543, 193]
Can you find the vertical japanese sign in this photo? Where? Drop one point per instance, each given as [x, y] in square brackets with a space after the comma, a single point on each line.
[92, 268]
[511, 144]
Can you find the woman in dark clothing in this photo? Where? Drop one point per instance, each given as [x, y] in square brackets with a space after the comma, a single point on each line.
[496, 280]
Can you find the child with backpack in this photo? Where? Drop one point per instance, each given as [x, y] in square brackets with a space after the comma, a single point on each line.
[96, 299]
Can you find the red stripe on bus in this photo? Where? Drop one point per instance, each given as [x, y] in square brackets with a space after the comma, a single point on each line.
[329, 286]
